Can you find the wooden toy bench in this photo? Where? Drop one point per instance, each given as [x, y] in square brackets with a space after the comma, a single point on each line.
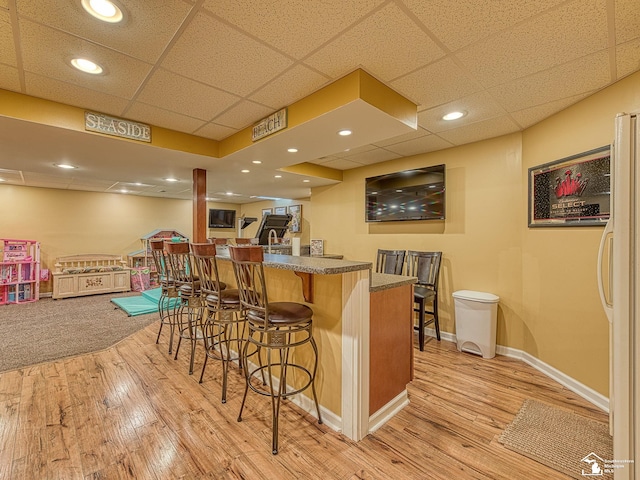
[77, 275]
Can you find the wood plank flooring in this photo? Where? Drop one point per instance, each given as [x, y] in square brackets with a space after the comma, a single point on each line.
[132, 412]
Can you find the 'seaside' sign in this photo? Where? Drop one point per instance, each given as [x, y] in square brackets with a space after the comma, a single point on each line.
[117, 127]
[271, 124]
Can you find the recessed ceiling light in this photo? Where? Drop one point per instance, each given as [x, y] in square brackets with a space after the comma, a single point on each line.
[124, 190]
[229, 193]
[170, 179]
[257, 162]
[245, 171]
[64, 165]
[292, 150]
[344, 133]
[277, 176]
[2, 180]
[104, 10]
[453, 115]
[306, 181]
[86, 66]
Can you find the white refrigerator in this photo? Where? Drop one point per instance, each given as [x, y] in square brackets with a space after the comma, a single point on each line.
[619, 283]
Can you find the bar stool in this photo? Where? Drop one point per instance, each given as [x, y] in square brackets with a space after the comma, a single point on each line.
[390, 261]
[189, 309]
[274, 327]
[169, 293]
[425, 266]
[223, 321]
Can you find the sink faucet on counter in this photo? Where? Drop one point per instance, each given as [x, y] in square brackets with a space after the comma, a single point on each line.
[273, 238]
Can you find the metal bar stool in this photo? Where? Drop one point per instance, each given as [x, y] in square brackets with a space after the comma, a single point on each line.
[223, 321]
[188, 312]
[169, 293]
[274, 329]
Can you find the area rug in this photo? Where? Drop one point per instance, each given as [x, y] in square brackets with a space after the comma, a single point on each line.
[560, 439]
[49, 329]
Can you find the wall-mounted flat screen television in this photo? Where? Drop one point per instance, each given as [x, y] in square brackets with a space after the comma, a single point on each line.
[416, 194]
[222, 218]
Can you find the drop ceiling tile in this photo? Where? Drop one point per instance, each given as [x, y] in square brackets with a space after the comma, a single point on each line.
[387, 44]
[479, 106]
[214, 131]
[51, 89]
[4, 4]
[533, 115]
[42, 179]
[11, 176]
[438, 83]
[7, 47]
[473, 20]
[293, 85]
[580, 76]
[627, 20]
[144, 113]
[123, 74]
[627, 58]
[243, 114]
[563, 34]
[420, 132]
[225, 58]
[173, 92]
[355, 151]
[324, 160]
[424, 144]
[370, 157]
[294, 27]
[342, 164]
[147, 29]
[474, 132]
[9, 78]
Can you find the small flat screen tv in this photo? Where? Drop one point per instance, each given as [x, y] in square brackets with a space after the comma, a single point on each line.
[222, 218]
[416, 194]
[271, 221]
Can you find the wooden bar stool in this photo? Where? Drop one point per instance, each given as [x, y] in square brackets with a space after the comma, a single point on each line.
[390, 261]
[223, 321]
[189, 309]
[168, 291]
[425, 266]
[275, 328]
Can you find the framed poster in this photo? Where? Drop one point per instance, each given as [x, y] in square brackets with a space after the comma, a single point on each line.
[573, 191]
[280, 210]
[296, 221]
[265, 211]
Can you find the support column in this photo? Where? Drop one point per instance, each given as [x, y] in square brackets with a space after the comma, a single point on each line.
[199, 234]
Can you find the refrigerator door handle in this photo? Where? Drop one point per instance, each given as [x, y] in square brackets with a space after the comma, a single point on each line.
[608, 307]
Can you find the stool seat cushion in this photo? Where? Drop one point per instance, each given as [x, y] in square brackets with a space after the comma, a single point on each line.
[284, 313]
[188, 291]
[227, 297]
[423, 292]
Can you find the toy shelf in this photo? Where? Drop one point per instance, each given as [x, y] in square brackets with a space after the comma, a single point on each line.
[19, 271]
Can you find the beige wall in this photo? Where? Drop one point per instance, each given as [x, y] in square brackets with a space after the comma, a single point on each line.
[545, 277]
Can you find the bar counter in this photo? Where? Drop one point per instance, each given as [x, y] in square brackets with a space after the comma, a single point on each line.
[363, 325]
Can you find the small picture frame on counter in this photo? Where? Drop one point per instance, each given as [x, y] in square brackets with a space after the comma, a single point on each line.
[317, 247]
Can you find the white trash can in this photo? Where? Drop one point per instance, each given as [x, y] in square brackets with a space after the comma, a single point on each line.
[476, 319]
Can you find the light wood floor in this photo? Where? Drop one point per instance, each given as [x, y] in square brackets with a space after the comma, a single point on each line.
[133, 412]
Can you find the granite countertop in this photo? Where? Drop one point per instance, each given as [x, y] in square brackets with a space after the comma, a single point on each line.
[384, 281]
[319, 265]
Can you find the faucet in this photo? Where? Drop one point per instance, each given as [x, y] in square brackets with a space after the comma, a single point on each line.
[273, 238]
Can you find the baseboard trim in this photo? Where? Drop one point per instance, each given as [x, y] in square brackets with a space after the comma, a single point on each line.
[563, 379]
[385, 414]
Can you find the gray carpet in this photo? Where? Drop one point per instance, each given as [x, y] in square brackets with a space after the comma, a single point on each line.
[32, 333]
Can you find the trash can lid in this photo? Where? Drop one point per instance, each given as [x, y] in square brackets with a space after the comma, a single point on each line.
[476, 296]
